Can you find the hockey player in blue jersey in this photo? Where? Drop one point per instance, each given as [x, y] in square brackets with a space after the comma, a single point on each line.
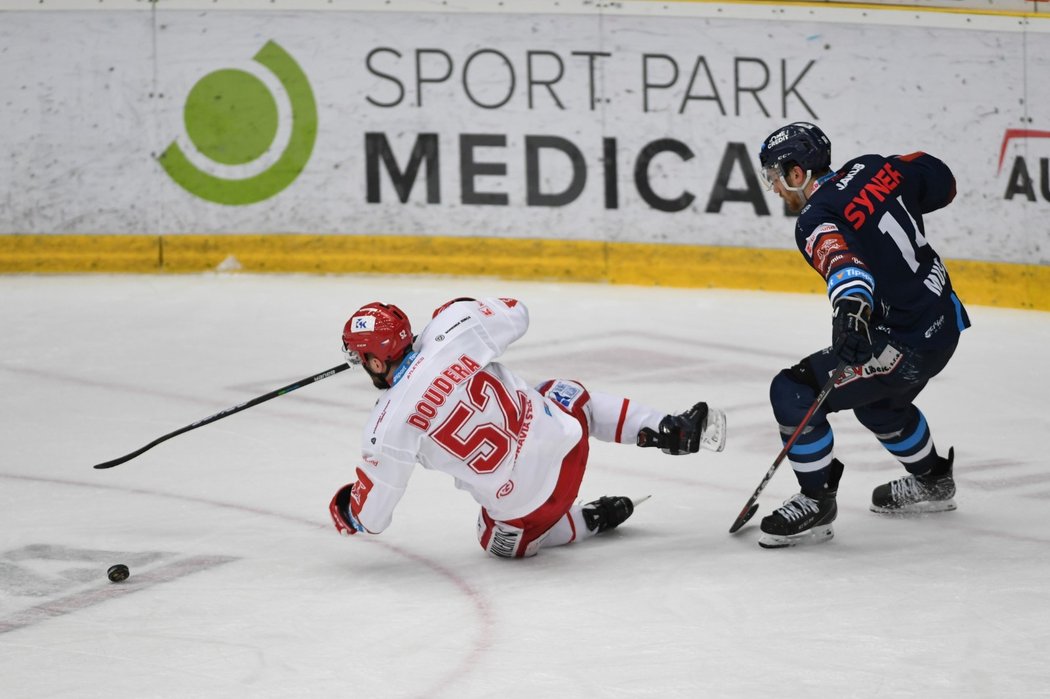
[895, 323]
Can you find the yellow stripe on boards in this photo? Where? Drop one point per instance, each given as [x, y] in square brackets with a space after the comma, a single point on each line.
[1001, 284]
[78, 253]
[642, 264]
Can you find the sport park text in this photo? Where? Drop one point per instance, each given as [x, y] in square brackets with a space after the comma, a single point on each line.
[489, 79]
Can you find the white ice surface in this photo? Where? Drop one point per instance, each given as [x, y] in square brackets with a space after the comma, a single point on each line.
[240, 587]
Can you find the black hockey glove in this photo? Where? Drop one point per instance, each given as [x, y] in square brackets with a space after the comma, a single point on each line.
[679, 434]
[850, 336]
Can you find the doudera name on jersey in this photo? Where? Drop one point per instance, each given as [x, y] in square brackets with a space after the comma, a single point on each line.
[439, 389]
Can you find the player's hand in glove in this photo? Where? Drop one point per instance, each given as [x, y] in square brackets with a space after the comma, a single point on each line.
[850, 335]
[686, 433]
[344, 520]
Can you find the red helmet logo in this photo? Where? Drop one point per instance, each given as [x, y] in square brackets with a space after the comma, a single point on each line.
[378, 329]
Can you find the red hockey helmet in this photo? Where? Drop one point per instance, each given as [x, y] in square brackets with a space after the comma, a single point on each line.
[378, 329]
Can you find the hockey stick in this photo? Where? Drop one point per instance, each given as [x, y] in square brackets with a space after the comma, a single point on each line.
[752, 505]
[228, 411]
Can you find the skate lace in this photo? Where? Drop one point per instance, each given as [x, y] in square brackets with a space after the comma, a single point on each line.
[907, 489]
[798, 507]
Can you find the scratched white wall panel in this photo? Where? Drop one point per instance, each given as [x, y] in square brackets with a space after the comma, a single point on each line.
[95, 97]
[76, 135]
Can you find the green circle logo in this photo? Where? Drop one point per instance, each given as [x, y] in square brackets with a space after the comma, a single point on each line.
[232, 118]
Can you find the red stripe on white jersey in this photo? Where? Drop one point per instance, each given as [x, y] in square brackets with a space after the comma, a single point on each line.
[623, 418]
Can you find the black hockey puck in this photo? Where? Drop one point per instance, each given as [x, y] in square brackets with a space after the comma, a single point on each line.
[118, 573]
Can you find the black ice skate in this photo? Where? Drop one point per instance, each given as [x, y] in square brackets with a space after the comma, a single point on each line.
[608, 512]
[804, 519]
[918, 494]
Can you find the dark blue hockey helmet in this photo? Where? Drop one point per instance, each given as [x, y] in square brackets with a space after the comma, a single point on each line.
[799, 143]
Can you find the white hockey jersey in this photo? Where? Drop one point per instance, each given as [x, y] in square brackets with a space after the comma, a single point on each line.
[452, 409]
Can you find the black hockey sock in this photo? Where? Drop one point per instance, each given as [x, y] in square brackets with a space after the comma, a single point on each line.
[941, 466]
[822, 483]
[932, 467]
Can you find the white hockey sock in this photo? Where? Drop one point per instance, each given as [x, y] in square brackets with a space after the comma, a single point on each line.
[570, 528]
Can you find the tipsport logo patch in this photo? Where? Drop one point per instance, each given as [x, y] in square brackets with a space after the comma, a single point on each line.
[232, 119]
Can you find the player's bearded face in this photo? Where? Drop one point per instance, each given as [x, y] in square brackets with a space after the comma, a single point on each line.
[794, 200]
[778, 182]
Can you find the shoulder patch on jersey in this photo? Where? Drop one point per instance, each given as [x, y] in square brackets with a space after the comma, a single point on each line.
[823, 252]
[817, 232]
[810, 241]
[564, 393]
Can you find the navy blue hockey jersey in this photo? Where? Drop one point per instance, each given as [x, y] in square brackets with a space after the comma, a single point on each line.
[863, 231]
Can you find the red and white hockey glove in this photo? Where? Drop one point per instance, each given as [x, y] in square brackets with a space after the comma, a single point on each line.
[344, 520]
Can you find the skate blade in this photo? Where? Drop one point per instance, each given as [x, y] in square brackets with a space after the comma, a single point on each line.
[815, 535]
[916, 508]
[714, 438]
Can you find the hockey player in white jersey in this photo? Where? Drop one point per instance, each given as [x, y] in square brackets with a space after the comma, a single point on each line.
[519, 450]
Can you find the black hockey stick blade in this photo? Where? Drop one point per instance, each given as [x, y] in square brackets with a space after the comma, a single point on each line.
[745, 515]
[225, 413]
